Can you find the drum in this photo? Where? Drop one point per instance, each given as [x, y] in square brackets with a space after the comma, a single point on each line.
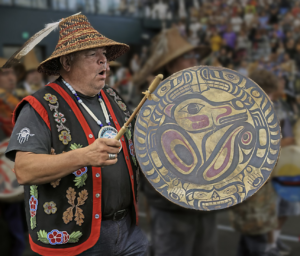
[208, 139]
[287, 174]
[10, 190]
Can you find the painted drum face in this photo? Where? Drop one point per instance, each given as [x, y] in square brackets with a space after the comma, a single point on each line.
[208, 139]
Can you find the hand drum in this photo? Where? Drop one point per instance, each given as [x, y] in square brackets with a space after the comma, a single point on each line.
[208, 139]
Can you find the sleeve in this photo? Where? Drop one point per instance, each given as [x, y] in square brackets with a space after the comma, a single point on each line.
[30, 134]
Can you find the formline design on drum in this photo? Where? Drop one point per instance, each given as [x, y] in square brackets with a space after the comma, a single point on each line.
[208, 139]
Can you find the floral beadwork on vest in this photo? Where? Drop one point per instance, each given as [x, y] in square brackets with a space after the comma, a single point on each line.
[119, 101]
[81, 174]
[131, 146]
[51, 98]
[50, 207]
[58, 237]
[68, 214]
[65, 134]
[33, 204]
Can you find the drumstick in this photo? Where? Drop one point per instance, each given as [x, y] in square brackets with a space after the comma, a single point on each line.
[150, 90]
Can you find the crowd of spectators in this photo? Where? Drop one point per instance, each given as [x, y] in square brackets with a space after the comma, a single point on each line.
[246, 35]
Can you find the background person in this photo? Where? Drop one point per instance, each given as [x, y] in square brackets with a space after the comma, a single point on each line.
[174, 229]
[11, 218]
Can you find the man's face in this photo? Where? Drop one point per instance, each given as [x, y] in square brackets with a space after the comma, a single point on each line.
[34, 77]
[90, 68]
[8, 79]
[186, 60]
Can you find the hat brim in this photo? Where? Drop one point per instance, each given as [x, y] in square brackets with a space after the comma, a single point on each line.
[202, 50]
[51, 66]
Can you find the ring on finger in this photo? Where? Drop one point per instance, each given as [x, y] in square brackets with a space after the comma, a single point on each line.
[112, 156]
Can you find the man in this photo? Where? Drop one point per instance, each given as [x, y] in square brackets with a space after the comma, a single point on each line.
[256, 218]
[8, 102]
[176, 231]
[285, 209]
[10, 213]
[80, 190]
[33, 79]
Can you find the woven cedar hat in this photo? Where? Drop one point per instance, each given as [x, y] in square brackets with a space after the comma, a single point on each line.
[77, 34]
[2, 62]
[115, 64]
[30, 61]
[167, 46]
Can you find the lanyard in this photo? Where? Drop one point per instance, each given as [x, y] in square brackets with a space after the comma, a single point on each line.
[102, 105]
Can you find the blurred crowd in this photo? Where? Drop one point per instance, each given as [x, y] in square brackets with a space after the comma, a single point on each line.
[257, 38]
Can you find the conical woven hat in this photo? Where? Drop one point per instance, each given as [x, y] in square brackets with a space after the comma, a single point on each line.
[2, 62]
[115, 64]
[30, 61]
[167, 46]
[77, 34]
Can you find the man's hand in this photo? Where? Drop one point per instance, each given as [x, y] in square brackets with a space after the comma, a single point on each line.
[97, 154]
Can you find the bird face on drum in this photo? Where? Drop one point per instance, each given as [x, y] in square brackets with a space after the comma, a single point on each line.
[209, 138]
[200, 114]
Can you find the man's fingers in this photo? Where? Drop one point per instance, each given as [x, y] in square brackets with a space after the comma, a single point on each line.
[112, 150]
[110, 162]
[113, 156]
[112, 143]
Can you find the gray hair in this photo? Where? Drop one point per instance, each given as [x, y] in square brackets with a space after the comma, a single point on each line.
[70, 56]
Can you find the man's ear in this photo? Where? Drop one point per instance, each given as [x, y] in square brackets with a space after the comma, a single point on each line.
[65, 61]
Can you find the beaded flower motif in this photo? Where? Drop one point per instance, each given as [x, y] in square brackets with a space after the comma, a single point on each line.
[65, 137]
[50, 207]
[58, 237]
[59, 117]
[51, 98]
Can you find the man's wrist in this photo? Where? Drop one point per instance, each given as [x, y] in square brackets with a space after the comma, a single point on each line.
[80, 157]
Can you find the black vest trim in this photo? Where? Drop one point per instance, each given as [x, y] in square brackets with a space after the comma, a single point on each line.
[125, 150]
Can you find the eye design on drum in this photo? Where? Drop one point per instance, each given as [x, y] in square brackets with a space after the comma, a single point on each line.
[246, 138]
[178, 151]
[193, 115]
[199, 121]
[192, 108]
[231, 77]
[230, 190]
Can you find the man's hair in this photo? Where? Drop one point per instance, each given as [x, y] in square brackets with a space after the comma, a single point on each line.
[265, 79]
[71, 57]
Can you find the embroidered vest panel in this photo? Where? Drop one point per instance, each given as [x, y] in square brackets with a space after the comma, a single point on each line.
[65, 205]
[64, 216]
